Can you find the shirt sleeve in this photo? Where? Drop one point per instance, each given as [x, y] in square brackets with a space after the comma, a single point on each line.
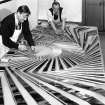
[49, 16]
[27, 33]
[6, 33]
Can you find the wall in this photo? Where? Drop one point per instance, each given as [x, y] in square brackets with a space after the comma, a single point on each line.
[43, 6]
[11, 6]
[39, 8]
[7, 8]
[73, 9]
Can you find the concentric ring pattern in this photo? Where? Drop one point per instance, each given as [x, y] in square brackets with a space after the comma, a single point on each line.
[65, 69]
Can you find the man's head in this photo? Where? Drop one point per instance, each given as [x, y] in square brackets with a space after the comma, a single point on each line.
[23, 13]
[55, 6]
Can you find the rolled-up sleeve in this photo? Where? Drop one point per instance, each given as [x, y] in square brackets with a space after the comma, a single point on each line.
[49, 16]
[27, 33]
[6, 33]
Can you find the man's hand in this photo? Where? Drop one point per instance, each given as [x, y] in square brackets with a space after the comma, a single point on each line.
[62, 28]
[58, 31]
[33, 48]
[22, 47]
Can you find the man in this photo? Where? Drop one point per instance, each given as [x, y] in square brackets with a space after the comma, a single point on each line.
[12, 26]
[56, 17]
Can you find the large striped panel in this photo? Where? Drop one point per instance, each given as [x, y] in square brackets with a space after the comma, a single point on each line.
[66, 69]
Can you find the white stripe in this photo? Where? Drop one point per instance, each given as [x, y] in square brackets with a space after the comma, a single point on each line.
[71, 97]
[25, 94]
[8, 98]
[96, 95]
[44, 94]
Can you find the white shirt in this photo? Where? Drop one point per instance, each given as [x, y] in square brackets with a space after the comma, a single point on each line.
[51, 17]
[17, 32]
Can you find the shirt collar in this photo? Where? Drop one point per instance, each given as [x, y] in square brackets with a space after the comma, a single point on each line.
[16, 20]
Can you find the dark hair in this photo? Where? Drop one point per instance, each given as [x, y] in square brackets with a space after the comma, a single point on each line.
[55, 3]
[24, 9]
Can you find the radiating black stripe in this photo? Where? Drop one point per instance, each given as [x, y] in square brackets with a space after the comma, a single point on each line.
[66, 63]
[53, 66]
[40, 66]
[1, 94]
[37, 97]
[16, 93]
[47, 66]
[60, 64]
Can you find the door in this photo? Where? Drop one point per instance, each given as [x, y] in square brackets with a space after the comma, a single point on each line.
[94, 13]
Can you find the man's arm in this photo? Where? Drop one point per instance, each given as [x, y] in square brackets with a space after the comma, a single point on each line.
[27, 34]
[50, 20]
[63, 16]
[53, 26]
[6, 33]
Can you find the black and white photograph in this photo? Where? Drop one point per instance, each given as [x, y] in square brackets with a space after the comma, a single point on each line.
[52, 52]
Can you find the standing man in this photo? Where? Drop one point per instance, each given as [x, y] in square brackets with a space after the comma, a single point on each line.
[56, 17]
[11, 27]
